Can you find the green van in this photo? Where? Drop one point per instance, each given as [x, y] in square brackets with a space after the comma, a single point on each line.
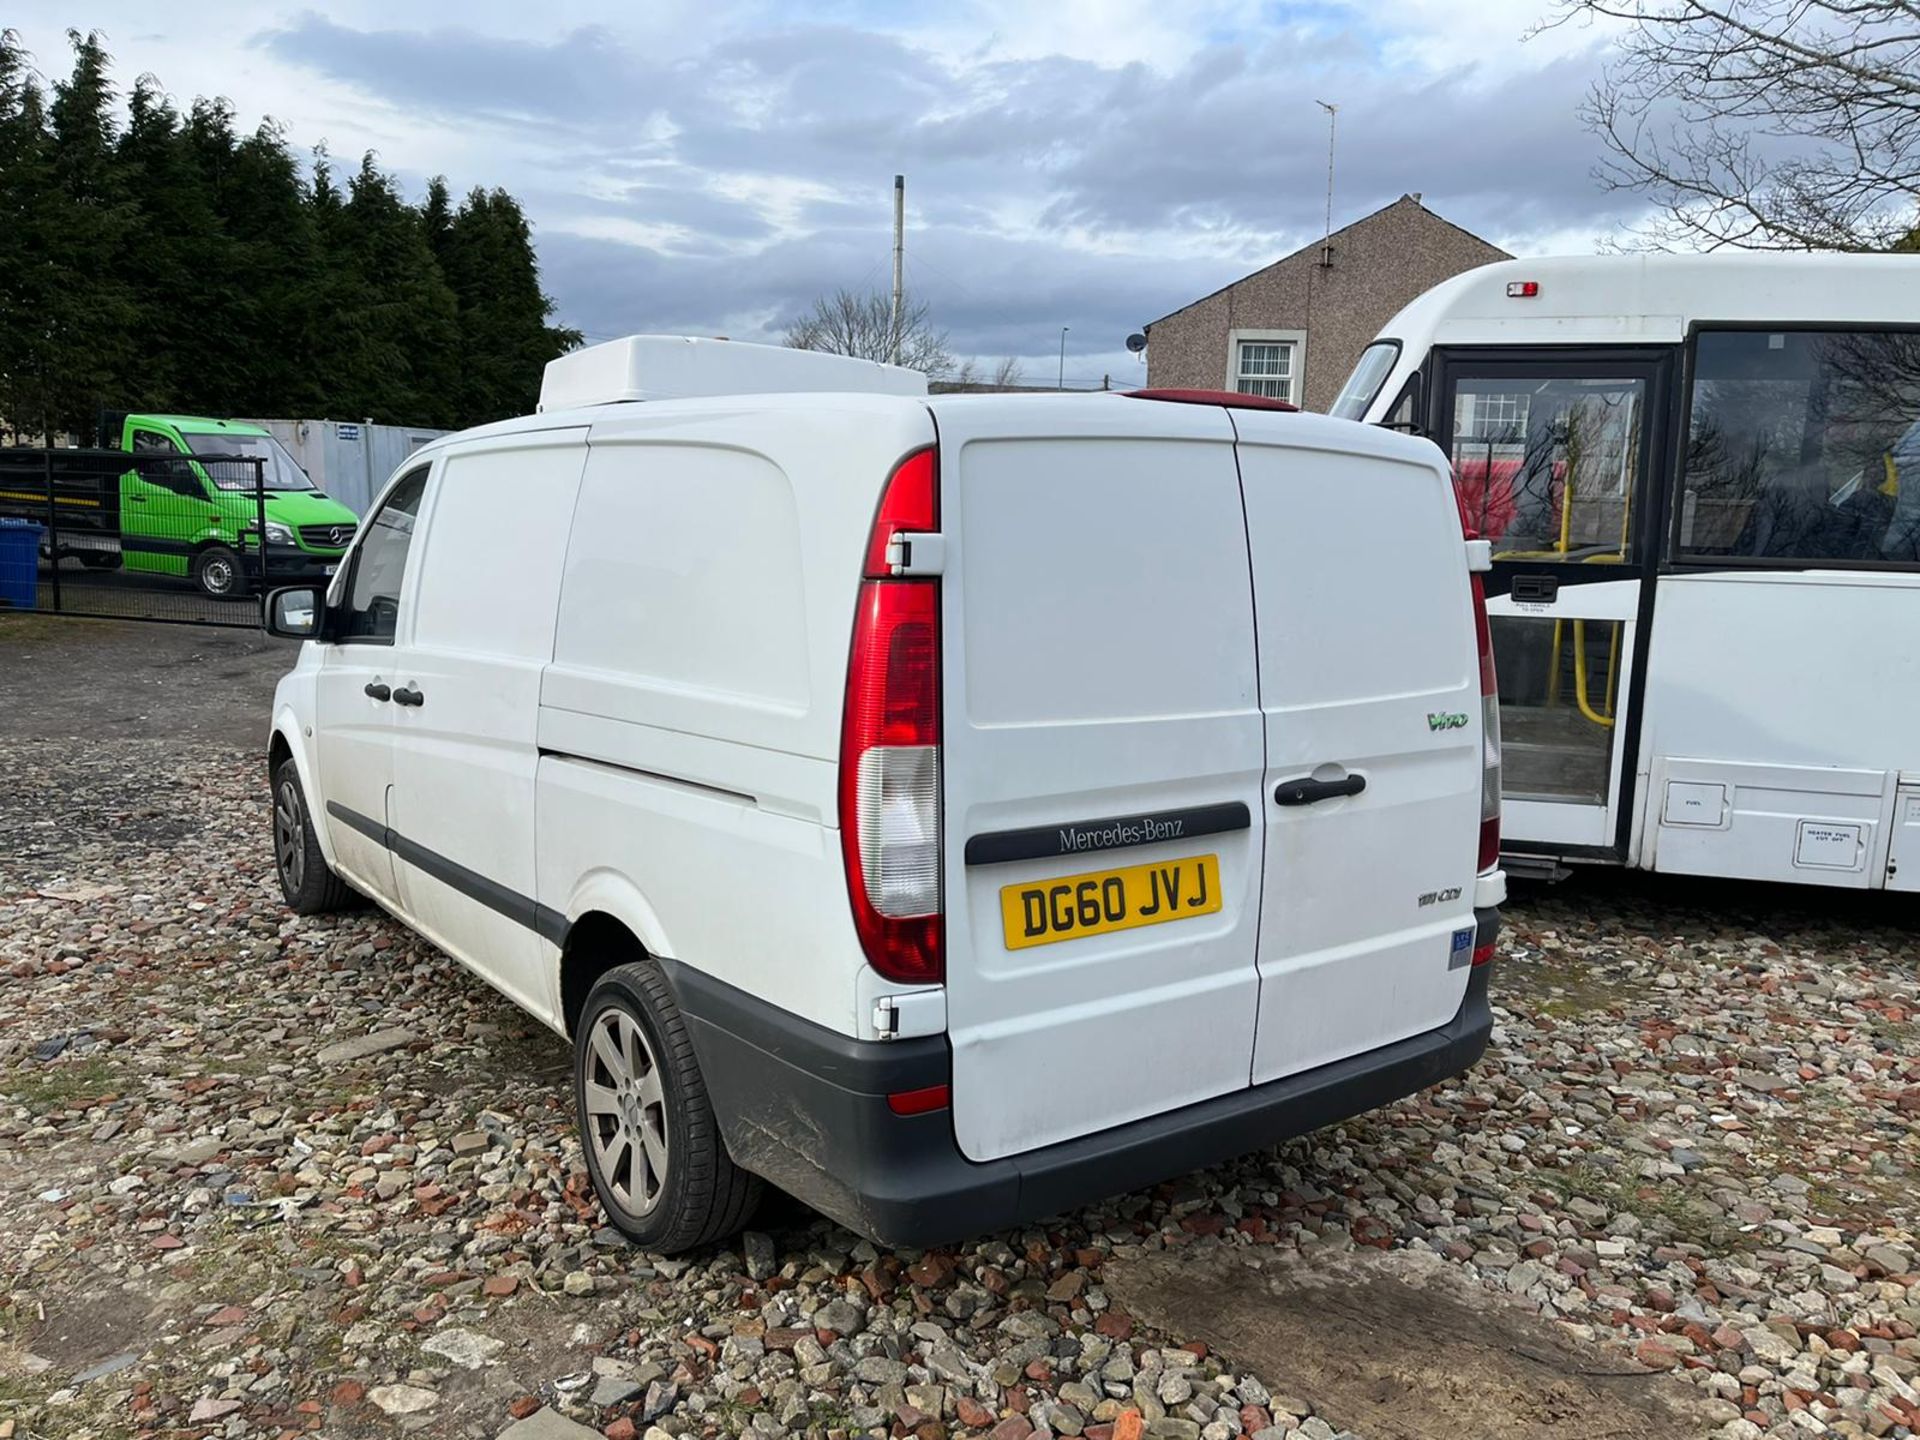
[186, 506]
[194, 519]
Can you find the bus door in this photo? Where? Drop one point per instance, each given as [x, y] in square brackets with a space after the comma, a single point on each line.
[1555, 454]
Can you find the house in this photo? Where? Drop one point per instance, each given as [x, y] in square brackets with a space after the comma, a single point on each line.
[1295, 329]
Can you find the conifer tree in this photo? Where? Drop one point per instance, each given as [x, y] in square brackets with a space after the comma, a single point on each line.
[168, 263]
[29, 268]
[90, 316]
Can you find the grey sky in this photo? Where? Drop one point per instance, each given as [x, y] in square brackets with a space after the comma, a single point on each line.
[1091, 163]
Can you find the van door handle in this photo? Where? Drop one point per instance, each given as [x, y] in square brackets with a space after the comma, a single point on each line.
[1312, 792]
[376, 691]
[404, 696]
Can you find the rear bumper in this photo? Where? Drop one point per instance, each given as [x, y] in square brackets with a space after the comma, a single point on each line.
[807, 1109]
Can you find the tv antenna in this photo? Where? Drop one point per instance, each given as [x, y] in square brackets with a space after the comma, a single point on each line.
[1326, 244]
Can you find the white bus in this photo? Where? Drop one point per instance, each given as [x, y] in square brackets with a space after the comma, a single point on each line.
[1700, 475]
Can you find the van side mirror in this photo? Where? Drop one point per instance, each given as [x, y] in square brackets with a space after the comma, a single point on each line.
[293, 612]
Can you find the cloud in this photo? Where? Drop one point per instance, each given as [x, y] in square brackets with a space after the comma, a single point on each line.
[458, 73]
[1210, 146]
[1078, 164]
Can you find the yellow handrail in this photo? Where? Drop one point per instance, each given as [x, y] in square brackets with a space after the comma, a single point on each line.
[1580, 674]
[1613, 666]
[1581, 694]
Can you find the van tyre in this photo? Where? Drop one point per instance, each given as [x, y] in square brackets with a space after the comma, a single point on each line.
[216, 570]
[310, 887]
[653, 1147]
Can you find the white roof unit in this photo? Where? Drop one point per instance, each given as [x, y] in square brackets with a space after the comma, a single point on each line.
[685, 367]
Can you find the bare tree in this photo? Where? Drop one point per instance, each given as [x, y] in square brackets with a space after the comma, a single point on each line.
[847, 323]
[1764, 124]
[1008, 372]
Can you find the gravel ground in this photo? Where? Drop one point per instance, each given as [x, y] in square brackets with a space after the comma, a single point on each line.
[262, 1176]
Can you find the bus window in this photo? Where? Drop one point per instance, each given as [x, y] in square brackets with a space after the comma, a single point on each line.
[1545, 468]
[1405, 412]
[1803, 445]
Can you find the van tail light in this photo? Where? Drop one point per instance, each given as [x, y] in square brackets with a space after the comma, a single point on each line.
[910, 503]
[1490, 732]
[890, 746]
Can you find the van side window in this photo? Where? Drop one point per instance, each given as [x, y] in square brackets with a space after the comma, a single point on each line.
[171, 471]
[380, 564]
[152, 442]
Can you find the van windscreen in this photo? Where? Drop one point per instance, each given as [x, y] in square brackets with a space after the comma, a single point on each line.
[280, 471]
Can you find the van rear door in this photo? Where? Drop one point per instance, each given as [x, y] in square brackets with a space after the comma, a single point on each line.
[1103, 765]
[1369, 678]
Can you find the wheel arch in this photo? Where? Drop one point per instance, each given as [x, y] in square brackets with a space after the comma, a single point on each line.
[606, 914]
[713, 1195]
[595, 943]
[281, 746]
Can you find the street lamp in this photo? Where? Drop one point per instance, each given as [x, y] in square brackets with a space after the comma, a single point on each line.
[1061, 383]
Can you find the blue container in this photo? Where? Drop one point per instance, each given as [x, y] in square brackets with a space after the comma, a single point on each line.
[19, 564]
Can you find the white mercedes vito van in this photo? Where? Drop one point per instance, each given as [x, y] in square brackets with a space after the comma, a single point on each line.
[949, 809]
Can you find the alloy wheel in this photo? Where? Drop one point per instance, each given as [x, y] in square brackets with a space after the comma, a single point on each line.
[289, 836]
[626, 1112]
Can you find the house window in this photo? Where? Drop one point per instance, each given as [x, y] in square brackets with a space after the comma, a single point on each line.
[1266, 362]
[1497, 416]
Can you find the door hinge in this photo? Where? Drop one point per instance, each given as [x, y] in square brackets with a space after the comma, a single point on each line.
[1479, 556]
[916, 1012]
[917, 553]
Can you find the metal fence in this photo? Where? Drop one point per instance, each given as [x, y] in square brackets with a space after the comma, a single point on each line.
[192, 540]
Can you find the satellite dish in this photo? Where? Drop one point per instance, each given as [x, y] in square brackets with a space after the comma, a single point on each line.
[1136, 342]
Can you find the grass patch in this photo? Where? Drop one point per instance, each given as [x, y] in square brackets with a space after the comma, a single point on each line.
[1901, 1035]
[1864, 1201]
[1667, 1208]
[243, 1249]
[827, 1415]
[1559, 991]
[18, 1392]
[57, 1085]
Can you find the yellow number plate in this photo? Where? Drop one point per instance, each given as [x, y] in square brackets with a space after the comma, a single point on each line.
[1043, 911]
